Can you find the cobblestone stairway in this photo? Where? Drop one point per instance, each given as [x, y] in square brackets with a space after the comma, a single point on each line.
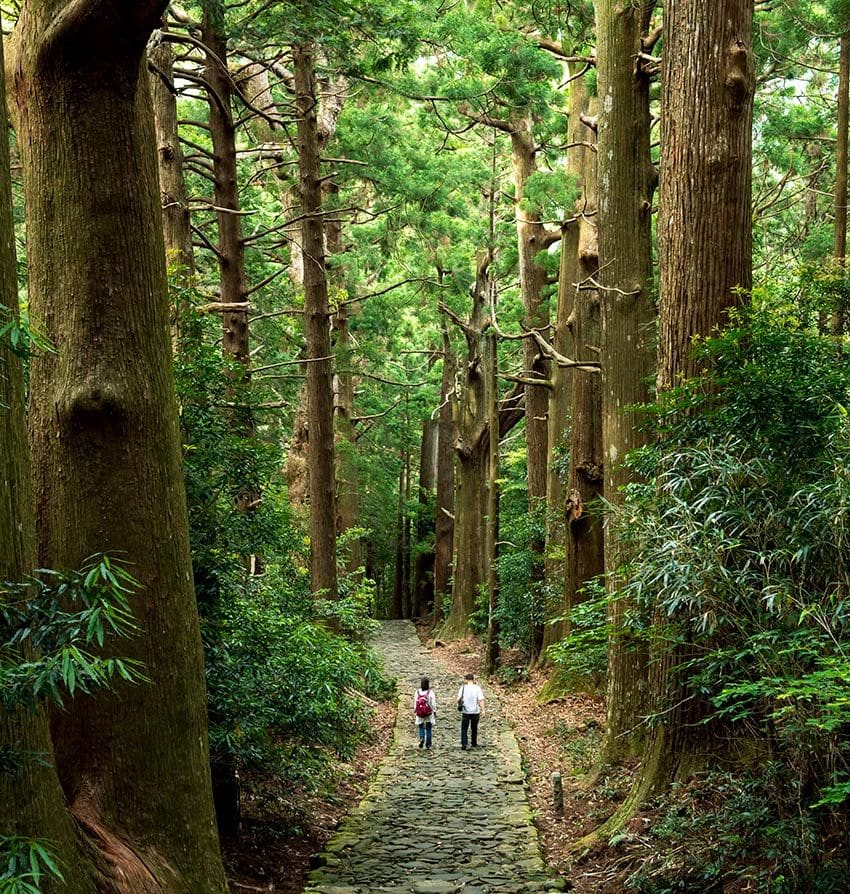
[443, 821]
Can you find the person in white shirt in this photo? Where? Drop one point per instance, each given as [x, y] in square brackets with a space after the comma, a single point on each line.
[470, 697]
[425, 700]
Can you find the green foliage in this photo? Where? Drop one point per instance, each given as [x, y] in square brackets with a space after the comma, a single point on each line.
[25, 864]
[521, 594]
[739, 541]
[286, 671]
[23, 336]
[51, 626]
[284, 686]
[582, 655]
[727, 830]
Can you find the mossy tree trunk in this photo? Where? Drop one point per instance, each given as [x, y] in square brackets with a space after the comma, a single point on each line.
[444, 522]
[323, 570]
[32, 803]
[177, 228]
[705, 253]
[471, 446]
[585, 555]
[626, 181]
[531, 240]
[105, 441]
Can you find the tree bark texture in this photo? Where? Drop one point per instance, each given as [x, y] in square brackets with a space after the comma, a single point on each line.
[705, 248]
[533, 280]
[348, 498]
[584, 535]
[398, 574]
[32, 804]
[230, 246]
[105, 440]
[705, 214]
[626, 178]
[317, 324]
[172, 185]
[561, 396]
[444, 522]
[840, 201]
[471, 447]
[492, 653]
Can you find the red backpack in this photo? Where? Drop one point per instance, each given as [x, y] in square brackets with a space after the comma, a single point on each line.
[422, 707]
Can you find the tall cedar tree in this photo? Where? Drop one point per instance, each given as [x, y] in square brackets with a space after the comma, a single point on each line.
[626, 179]
[320, 402]
[705, 252]
[31, 799]
[105, 441]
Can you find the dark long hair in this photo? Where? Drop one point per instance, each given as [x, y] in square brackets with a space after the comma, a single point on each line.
[424, 684]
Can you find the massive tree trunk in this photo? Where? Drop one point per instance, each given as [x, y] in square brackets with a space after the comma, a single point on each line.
[31, 800]
[705, 216]
[626, 179]
[230, 248]
[532, 278]
[317, 323]
[705, 252]
[444, 522]
[585, 536]
[105, 441]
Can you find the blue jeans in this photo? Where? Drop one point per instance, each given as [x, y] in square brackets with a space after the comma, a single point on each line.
[467, 721]
[425, 733]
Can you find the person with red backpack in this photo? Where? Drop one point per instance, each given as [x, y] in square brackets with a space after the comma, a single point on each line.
[425, 711]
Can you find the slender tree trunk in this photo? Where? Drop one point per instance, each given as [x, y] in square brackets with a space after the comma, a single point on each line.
[105, 440]
[348, 501]
[492, 657]
[317, 323]
[705, 252]
[177, 229]
[398, 576]
[560, 398]
[406, 594]
[585, 536]
[230, 247]
[533, 280]
[423, 574]
[626, 179]
[31, 800]
[840, 233]
[444, 523]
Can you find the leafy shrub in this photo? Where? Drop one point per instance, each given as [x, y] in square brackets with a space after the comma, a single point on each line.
[582, 655]
[49, 627]
[739, 540]
[725, 830]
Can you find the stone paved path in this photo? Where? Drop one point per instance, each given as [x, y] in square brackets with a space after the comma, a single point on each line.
[438, 822]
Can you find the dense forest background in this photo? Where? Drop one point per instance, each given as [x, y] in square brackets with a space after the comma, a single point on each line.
[527, 320]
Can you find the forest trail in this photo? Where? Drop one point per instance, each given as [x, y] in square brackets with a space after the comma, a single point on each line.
[443, 821]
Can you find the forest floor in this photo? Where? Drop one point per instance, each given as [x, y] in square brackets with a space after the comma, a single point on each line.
[284, 826]
[563, 735]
